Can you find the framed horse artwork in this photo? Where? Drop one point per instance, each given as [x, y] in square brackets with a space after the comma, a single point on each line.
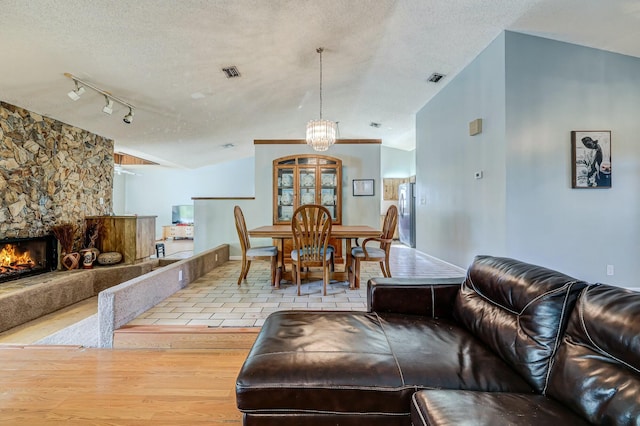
[591, 159]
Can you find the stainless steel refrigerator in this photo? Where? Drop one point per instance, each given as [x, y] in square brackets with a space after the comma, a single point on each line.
[407, 214]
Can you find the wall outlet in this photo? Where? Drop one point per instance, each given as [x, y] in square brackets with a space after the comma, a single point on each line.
[180, 276]
[216, 257]
[101, 201]
[609, 269]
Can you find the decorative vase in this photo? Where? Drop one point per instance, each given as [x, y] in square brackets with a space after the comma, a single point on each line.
[71, 260]
[88, 256]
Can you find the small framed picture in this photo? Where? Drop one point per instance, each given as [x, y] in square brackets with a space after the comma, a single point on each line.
[591, 159]
[363, 187]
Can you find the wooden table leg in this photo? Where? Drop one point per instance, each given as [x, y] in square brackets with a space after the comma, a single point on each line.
[347, 261]
[279, 243]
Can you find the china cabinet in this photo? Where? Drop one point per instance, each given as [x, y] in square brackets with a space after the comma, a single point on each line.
[306, 179]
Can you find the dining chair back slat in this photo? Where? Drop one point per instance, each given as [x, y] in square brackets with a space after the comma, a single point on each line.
[311, 229]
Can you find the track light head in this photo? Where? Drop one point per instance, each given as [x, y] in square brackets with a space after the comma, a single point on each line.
[109, 98]
[108, 108]
[76, 93]
[129, 117]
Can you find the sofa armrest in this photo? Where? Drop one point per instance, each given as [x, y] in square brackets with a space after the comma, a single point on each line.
[431, 297]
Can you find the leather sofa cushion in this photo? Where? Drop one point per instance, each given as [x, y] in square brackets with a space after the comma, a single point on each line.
[596, 371]
[518, 310]
[438, 353]
[346, 362]
[445, 407]
[432, 297]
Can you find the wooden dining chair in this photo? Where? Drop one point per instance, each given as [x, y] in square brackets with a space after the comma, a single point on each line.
[375, 254]
[311, 229]
[250, 253]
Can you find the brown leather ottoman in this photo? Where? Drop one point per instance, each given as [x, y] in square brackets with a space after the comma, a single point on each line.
[359, 368]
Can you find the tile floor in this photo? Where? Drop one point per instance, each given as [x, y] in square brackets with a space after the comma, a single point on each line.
[216, 300]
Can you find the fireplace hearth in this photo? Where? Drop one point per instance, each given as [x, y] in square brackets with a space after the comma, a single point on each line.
[22, 257]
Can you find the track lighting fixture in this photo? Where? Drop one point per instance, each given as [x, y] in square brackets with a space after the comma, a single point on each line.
[108, 108]
[108, 97]
[129, 117]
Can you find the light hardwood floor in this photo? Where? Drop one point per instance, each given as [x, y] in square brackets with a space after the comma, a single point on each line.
[79, 386]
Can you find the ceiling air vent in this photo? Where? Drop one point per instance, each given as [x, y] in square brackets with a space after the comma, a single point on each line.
[435, 77]
[231, 72]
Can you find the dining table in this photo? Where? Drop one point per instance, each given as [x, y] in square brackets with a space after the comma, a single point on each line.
[348, 233]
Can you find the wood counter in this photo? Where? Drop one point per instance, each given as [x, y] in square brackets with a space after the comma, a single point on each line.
[132, 236]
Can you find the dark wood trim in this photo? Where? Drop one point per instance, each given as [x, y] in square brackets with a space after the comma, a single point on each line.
[129, 160]
[303, 142]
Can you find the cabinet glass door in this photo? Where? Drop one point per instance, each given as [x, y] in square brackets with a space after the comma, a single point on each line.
[328, 191]
[307, 184]
[286, 199]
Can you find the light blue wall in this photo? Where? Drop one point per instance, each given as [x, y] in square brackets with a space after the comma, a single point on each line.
[531, 93]
[397, 163]
[119, 193]
[459, 216]
[552, 89]
[154, 189]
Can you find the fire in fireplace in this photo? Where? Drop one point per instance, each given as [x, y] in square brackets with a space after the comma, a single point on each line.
[21, 257]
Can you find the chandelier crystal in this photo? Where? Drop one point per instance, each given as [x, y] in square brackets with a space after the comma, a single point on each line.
[321, 134]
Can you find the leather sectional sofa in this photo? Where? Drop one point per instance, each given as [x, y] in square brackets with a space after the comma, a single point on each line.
[514, 344]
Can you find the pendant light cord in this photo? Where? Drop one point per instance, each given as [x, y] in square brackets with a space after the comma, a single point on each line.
[319, 50]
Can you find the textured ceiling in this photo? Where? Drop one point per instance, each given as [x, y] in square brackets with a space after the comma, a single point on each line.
[165, 57]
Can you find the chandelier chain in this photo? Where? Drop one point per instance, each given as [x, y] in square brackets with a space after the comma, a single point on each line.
[319, 50]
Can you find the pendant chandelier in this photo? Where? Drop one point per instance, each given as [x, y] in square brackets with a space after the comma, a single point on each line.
[321, 134]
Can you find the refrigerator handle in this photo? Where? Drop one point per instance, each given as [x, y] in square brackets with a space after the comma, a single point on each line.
[401, 204]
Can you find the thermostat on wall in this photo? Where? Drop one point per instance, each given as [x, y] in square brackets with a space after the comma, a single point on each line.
[475, 127]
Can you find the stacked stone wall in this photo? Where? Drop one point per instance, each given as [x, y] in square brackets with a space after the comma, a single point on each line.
[50, 173]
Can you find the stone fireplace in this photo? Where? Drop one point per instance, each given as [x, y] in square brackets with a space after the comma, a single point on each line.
[50, 173]
[22, 257]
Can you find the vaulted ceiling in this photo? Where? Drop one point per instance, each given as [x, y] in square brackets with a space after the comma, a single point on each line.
[166, 58]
